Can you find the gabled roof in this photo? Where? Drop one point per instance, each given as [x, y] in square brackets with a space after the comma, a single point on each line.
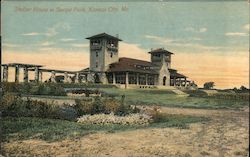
[103, 35]
[177, 75]
[160, 50]
[132, 65]
[135, 61]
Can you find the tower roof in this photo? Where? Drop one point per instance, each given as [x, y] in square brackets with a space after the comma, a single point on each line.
[160, 50]
[104, 35]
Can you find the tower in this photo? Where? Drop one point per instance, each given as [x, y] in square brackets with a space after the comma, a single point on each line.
[158, 56]
[104, 50]
[162, 60]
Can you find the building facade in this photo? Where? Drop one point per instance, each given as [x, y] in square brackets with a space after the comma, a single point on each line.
[107, 68]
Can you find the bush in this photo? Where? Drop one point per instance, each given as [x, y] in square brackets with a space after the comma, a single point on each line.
[104, 105]
[83, 106]
[15, 106]
[34, 89]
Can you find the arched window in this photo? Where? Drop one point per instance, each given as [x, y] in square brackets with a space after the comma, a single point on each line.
[96, 54]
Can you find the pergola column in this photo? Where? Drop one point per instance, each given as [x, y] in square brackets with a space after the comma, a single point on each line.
[146, 79]
[36, 74]
[185, 81]
[155, 79]
[114, 78]
[86, 78]
[174, 81]
[5, 73]
[137, 78]
[53, 76]
[25, 74]
[41, 76]
[126, 80]
[66, 77]
[77, 78]
[17, 73]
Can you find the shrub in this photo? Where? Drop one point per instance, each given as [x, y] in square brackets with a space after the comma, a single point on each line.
[15, 106]
[34, 89]
[104, 105]
[83, 106]
[111, 105]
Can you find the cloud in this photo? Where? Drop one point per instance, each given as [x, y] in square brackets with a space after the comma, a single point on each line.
[67, 39]
[133, 50]
[236, 34]
[159, 39]
[247, 27]
[51, 31]
[225, 70]
[47, 43]
[80, 45]
[9, 45]
[167, 42]
[31, 34]
[200, 30]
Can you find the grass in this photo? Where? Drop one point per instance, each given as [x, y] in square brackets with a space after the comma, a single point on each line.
[169, 99]
[50, 130]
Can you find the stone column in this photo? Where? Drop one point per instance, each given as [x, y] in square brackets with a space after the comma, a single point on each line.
[146, 78]
[174, 81]
[114, 79]
[36, 74]
[41, 76]
[86, 78]
[65, 77]
[5, 73]
[155, 80]
[53, 77]
[25, 74]
[126, 80]
[77, 78]
[17, 73]
[137, 78]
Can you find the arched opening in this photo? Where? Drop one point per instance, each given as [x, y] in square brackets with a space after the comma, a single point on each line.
[97, 78]
[164, 80]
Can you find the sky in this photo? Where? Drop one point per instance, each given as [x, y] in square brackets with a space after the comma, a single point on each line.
[210, 40]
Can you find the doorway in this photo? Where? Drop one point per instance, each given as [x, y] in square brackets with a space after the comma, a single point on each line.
[164, 80]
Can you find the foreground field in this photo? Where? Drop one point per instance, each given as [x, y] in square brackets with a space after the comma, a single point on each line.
[169, 99]
[225, 134]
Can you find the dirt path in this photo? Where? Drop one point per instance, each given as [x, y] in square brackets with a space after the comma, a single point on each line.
[225, 135]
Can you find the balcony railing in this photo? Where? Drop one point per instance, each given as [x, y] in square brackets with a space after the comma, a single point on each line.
[112, 48]
[95, 47]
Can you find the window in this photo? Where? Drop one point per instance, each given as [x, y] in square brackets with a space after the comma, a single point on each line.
[111, 54]
[96, 64]
[96, 54]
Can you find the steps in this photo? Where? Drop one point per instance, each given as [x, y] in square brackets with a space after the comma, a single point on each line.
[174, 89]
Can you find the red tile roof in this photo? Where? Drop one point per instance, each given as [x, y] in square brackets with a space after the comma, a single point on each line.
[132, 65]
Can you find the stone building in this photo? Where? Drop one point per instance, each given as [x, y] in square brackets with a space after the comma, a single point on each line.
[106, 67]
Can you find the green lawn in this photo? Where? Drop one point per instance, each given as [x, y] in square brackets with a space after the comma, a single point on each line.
[50, 130]
[168, 98]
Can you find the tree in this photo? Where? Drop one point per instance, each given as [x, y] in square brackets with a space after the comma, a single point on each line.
[243, 89]
[209, 85]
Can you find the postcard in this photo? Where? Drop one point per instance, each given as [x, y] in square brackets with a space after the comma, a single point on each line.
[144, 78]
